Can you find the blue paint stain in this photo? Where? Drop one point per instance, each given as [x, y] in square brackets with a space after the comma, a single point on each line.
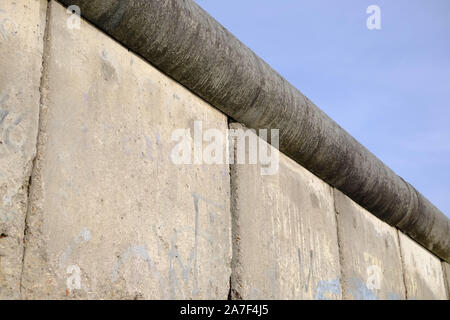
[332, 287]
[3, 115]
[393, 296]
[310, 266]
[359, 290]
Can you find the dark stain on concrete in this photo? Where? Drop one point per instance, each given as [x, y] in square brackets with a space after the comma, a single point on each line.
[108, 71]
[314, 201]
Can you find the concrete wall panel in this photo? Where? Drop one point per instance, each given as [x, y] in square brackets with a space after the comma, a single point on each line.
[22, 24]
[423, 271]
[284, 234]
[111, 215]
[370, 254]
[446, 268]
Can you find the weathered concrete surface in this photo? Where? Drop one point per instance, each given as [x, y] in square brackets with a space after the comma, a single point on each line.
[370, 254]
[111, 216]
[22, 24]
[423, 274]
[185, 42]
[284, 234]
[446, 268]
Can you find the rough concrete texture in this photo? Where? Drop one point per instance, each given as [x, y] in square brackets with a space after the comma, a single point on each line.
[185, 42]
[422, 270]
[284, 234]
[446, 268]
[22, 24]
[370, 254]
[111, 216]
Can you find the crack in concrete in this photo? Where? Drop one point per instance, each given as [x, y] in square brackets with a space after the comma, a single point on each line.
[446, 280]
[233, 293]
[43, 80]
[341, 256]
[402, 263]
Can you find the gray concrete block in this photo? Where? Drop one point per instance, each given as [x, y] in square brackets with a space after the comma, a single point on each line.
[446, 268]
[111, 215]
[284, 234]
[22, 24]
[424, 278]
[370, 254]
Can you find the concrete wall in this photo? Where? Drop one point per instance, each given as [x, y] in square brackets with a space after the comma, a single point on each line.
[370, 254]
[21, 46]
[446, 268]
[109, 215]
[294, 237]
[424, 278]
[285, 238]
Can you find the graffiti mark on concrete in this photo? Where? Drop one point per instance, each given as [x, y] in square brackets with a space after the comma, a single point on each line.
[15, 123]
[9, 127]
[310, 269]
[183, 265]
[393, 296]
[191, 263]
[83, 236]
[139, 251]
[359, 290]
[308, 278]
[7, 201]
[213, 203]
[326, 289]
[3, 114]
[7, 28]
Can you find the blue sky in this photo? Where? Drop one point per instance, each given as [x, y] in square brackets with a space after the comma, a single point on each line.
[389, 88]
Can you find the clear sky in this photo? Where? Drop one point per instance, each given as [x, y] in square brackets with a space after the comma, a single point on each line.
[389, 88]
